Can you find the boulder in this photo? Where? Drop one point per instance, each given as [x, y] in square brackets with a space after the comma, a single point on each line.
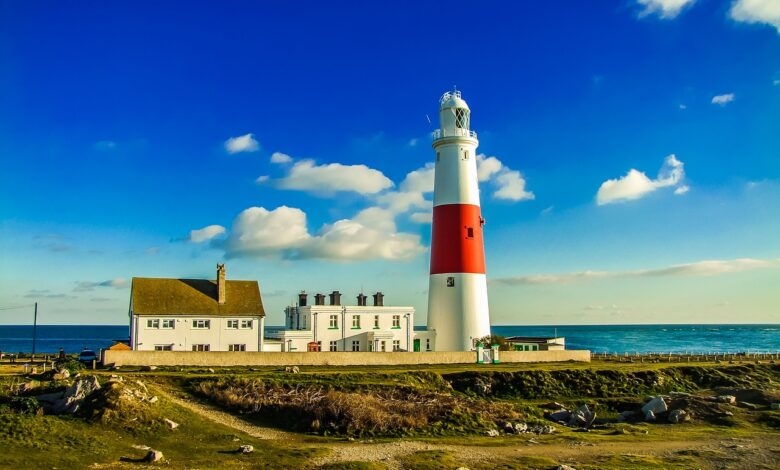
[210, 371]
[562, 416]
[521, 428]
[649, 415]
[70, 400]
[678, 416]
[153, 456]
[246, 449]
[656, 405]
[543, 429]
[171, 424]
[729, 399]
[508, 428]
[492, 433]
[62, 374]
[582, 417]
[296, 370]
[625, 416]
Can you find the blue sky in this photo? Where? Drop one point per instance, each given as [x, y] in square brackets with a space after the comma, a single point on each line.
[630, 169]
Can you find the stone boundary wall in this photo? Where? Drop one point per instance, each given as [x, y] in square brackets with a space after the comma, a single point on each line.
[230, 359]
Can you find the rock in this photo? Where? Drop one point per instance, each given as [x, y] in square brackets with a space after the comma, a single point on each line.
[492, 433]
[171, 424]
[246, 449]
[210, 371]
[62, 374]
[729, 399]
[521, 428]
[296, 370]
[653, 407]
[625, 416]
[153, 456]
[148, 368]
[74, 395]
[116, 378]
[27, 386]
[542, 429]
[154, 399]
[562, 416]
[678, 416]
[565, 467]
[582, 417]
[508, 428]
[553, 405]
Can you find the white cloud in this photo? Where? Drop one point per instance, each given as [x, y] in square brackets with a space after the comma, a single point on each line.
[412, 142]
[118, 283]
[330, 178]
[776, 82]
[206, 233]
[723, 100]
[636, 184]
[422, 217]
[666, 9]
[419, 180]
[683, 107]
[510, 184]
[700, 268]
[682, 189]
[244, 143]
[262, 179]
[279, 157]
[371, 234]
[757, 11]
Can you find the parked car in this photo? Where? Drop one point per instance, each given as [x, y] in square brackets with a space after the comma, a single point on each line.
[87, 356]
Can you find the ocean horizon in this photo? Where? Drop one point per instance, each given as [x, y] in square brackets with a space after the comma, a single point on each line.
[622, 338]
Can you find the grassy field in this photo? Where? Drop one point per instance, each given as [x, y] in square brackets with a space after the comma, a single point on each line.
[210, 429]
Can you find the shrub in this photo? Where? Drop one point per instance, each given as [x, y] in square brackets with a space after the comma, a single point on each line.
[25, 405]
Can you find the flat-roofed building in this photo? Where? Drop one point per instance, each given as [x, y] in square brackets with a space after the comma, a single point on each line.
[536, 343]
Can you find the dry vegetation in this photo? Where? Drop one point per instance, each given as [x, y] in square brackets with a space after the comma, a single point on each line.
[382, 411]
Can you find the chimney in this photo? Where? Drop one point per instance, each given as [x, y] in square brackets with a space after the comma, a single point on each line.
[335, 298]
[361, 298]
[379, 299]
[302, 297]
[319, 299]
[221, 283]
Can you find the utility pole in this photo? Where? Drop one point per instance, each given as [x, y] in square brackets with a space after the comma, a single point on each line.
[35, 329]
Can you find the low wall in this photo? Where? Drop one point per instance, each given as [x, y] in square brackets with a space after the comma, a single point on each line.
[225, 359]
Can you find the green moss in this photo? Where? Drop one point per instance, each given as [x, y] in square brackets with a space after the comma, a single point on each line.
[354, 466]
[430, 460]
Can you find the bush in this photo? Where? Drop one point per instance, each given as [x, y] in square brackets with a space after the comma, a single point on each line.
[70, 363]
[25, 405]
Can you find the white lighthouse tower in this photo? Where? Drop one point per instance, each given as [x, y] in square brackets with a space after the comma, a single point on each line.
[457, 294]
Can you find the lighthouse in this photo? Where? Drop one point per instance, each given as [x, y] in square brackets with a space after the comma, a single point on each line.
[457, 293]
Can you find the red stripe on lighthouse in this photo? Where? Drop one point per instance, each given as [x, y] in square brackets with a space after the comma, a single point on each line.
[456, 240]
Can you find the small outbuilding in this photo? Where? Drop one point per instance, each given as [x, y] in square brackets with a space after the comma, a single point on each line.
[536, 343]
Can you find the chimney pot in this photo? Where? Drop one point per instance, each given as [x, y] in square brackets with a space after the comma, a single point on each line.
[361, 299]
[379, 299]
[335, 298]
[302, 298]
[319, 299]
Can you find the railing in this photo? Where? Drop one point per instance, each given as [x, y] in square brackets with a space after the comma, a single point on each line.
[449, 95]
[442, 133]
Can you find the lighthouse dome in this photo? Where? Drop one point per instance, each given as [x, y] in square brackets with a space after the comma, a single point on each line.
[454, 115]
[452, 99]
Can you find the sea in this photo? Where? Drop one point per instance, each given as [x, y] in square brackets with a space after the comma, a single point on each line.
[678, 339]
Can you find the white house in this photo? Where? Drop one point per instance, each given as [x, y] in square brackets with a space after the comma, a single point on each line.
[196, 314]
[360, 327]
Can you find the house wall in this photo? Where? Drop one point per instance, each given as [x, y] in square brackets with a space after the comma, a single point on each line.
[313, 323]
[183, 336]
[229, 359]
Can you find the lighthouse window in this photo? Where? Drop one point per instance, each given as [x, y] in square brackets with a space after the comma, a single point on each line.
[450, 282]
[461, 118]
[438, 156]
[466, 155]
[469, 232]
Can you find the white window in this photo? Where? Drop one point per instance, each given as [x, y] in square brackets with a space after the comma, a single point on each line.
[152, 323]
[396, 321]
[384, 346]
[355, 322]
[334, 346]
[246, 324]
[201, 347]
[201, 324]
[168, 324]
[334, 322]
[236, 347]
[163, 347]
[356, 345]
[376, 322]
[396, 345]
[232, 324]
